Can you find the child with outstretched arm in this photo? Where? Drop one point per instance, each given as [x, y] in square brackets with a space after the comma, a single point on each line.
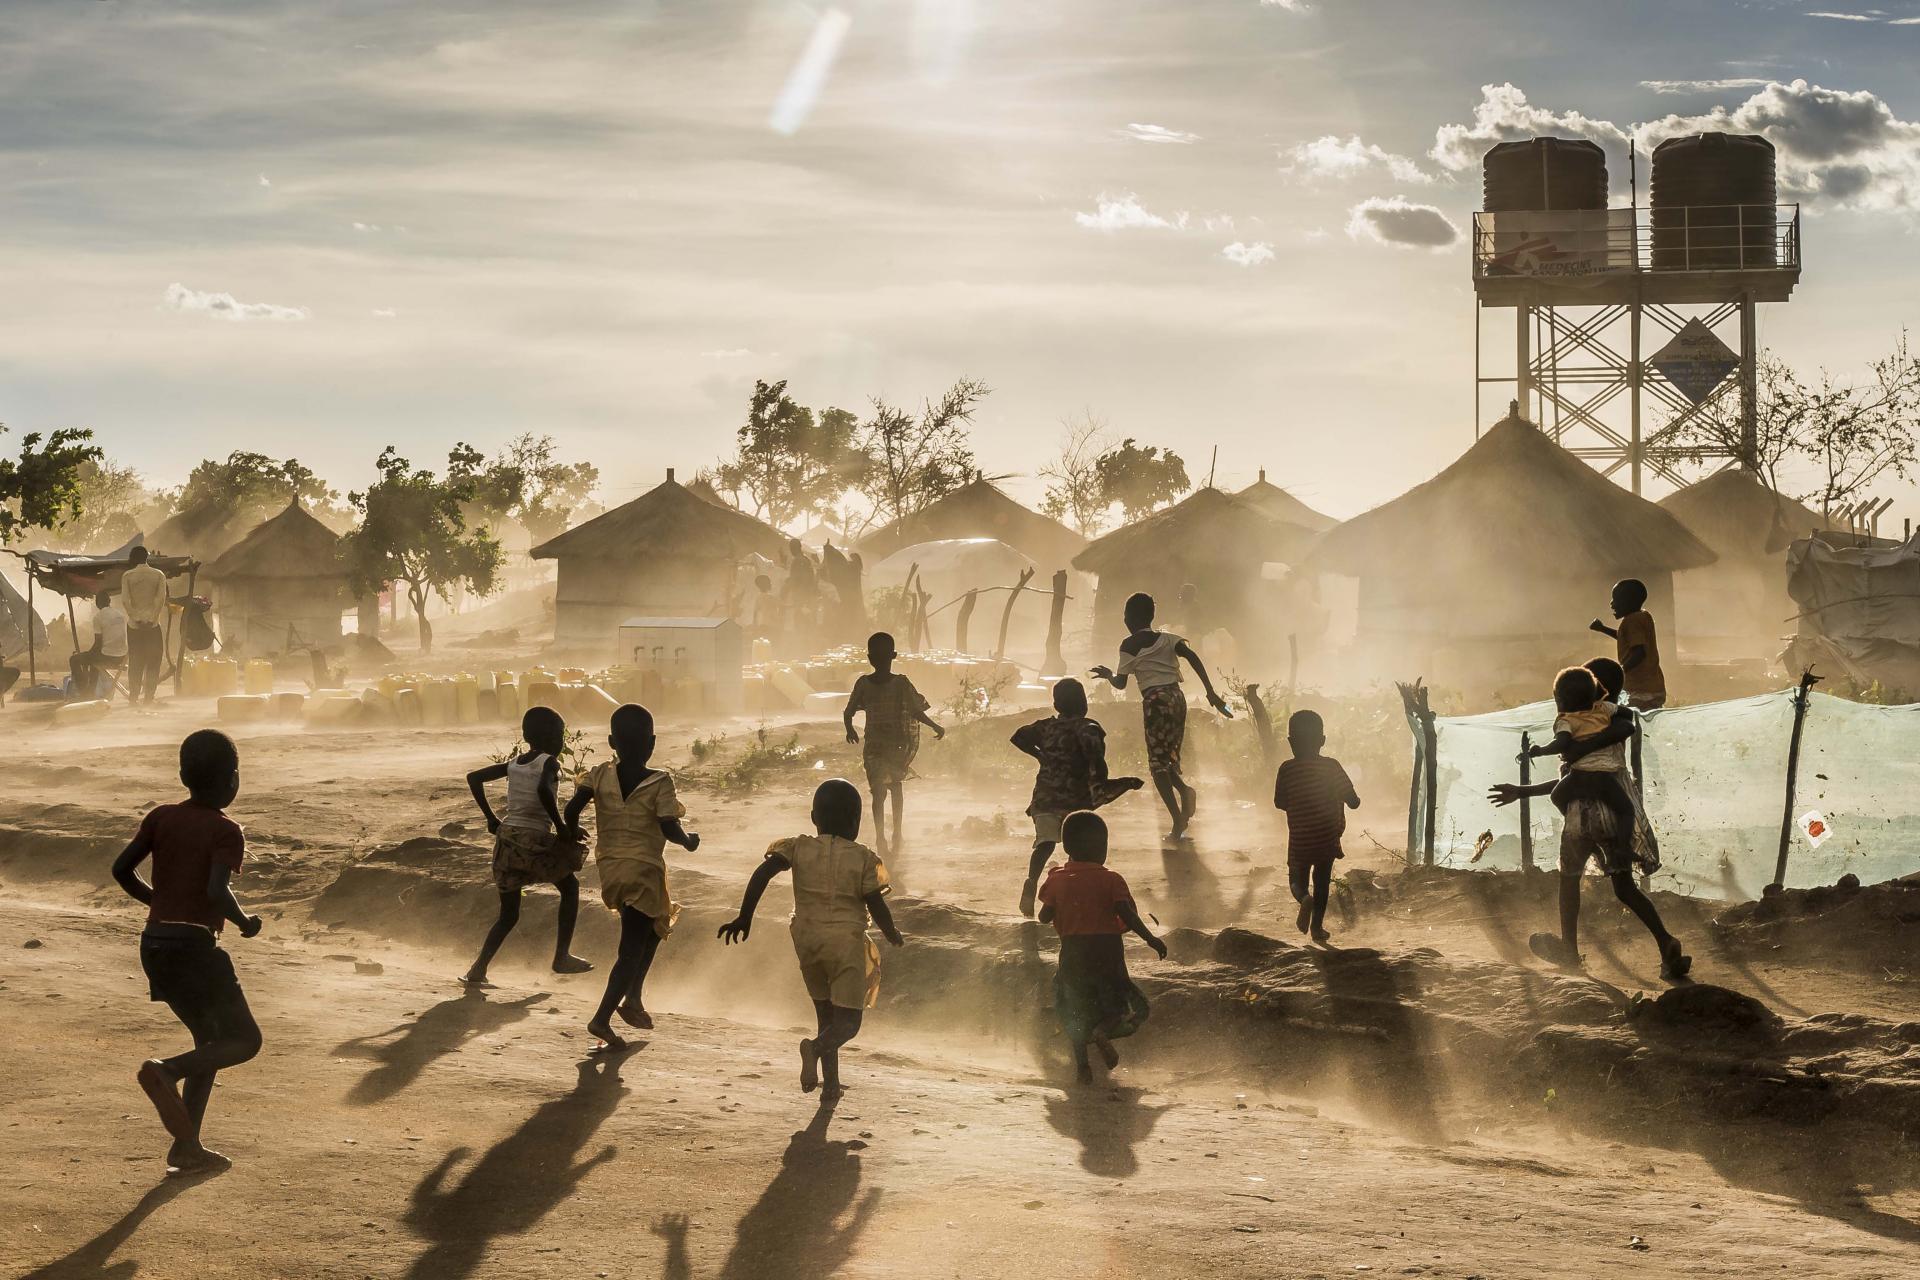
[635, 813]
[1599, 772]
[1313, 790]
[1152, 659]
[532, 844]
[1071, 749]
[837, 884]
[196, 849]
[895, 710]
[1092, 909]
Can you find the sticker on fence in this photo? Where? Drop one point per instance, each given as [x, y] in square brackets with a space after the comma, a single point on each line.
[1814, 828]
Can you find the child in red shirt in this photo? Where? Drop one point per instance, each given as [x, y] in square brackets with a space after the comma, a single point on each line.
[1092, 909]
[195, 849]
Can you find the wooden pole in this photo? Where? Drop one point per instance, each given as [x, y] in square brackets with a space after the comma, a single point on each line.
[1006, 614]
[1433, 773]
[1056, 660]
[180, 639]
[966, 616]
[1807, 681]
[1526, 802]
[33, 667]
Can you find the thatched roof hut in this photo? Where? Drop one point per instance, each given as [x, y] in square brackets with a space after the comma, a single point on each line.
[1517, 540]
[1739, 606]
[667, 553]
[1211, 539]
[281, 583]
[1281, 505]
[980, 510]
[202, 531]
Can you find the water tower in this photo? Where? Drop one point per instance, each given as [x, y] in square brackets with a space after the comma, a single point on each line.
[1618, 311]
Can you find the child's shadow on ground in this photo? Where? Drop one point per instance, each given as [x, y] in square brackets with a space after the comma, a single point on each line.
[89, 1261]
[795, 1228]
[1108, 1124]
[439, 1031]
[519, 1180]
[1196, 896]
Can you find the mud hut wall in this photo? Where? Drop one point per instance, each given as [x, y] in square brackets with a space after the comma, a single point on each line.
[594, 595]
[254, 613]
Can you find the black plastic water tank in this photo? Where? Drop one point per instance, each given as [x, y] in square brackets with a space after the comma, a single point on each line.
[1713, 203]
[1545, 173]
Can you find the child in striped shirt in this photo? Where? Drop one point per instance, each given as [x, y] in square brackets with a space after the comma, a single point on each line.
[1314, 792]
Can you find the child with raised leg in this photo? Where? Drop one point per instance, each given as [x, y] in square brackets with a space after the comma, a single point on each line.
[895, 710]
[1092, 909]
[196, 849]
[1313, 790]
[1071, 749]
[1152, 658]
[531, 844]
[635, 814]
[837, 884]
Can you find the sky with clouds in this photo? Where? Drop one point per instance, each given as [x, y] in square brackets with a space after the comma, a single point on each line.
[315, 228]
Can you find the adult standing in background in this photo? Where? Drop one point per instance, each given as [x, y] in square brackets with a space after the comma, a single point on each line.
[143, 597]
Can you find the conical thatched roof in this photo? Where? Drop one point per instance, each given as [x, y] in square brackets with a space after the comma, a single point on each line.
[1208, 530]
[1738, 517]
[202, 531]
[980, 510]
[1281, 505]
[701, 487]
[292, 544]
[1515, 501]
[669, 520]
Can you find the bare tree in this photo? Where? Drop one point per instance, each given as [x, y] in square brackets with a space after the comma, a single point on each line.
[1076, 491]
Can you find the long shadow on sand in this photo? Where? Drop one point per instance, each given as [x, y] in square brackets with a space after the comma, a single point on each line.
[1196, 896]
[519, 1180]
[91, 1259]
[1108, 1124]
[1365, 991]
[414, 1045]
[795, 1230]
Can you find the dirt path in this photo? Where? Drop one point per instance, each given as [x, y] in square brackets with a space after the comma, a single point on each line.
[396, 1127]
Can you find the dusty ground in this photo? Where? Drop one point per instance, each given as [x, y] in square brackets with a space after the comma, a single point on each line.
[397, 1126]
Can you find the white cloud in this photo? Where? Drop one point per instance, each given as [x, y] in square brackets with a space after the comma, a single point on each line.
[224, 306]
[1248, 255]
[728, 353]
[1845, 17]
[264, 182]
[1291, 6]
[1836, 146]
[1124, 212]
[1397, 221]
[366, 226]
[1702, 86]
[385, 313]
[1332, 158]
[1505, 115]
[1158, 134]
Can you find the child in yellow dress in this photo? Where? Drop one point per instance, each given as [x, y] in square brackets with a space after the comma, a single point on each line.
[635, 814]
[837, 884]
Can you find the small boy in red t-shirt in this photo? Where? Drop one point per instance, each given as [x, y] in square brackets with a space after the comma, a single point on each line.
[1092, 908]
[195, 849]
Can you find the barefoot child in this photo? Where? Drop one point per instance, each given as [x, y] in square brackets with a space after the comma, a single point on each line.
[837, 884]
[1072, 751]
[1313, 790]
[895, 710]
[1637, 644]
[1092, 909]
[531, 845]
[195, 848]
[1153, 659]
[635, 813]
[1600, 772]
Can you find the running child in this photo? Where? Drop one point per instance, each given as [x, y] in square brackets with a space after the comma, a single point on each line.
[895, 711]
[635, 813]
[1072, 751]
[196, 849]
[1153, 659]
[1600, 772]
[1313, 790]
[837, 884]
[1092, 909]
[1637, 645]
[531, 844]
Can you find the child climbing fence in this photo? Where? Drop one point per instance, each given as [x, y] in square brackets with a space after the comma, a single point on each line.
[1715, 785]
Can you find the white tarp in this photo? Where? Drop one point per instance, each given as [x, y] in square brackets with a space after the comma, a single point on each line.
[1715, 790]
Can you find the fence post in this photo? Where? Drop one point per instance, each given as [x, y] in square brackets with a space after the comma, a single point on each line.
[1807, 681]
[1639, 786]
[1433, 774]
[966, 616]
[1526, 802]
[1413, 700]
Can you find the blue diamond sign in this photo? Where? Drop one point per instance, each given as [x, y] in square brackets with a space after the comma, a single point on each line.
[1696, 361]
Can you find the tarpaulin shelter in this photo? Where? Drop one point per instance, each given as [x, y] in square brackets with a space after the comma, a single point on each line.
[1859, 611]
[667, 553]
[283, 579]
[980, 510]
[20, 626]
[1738, 606]
[69, 575]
